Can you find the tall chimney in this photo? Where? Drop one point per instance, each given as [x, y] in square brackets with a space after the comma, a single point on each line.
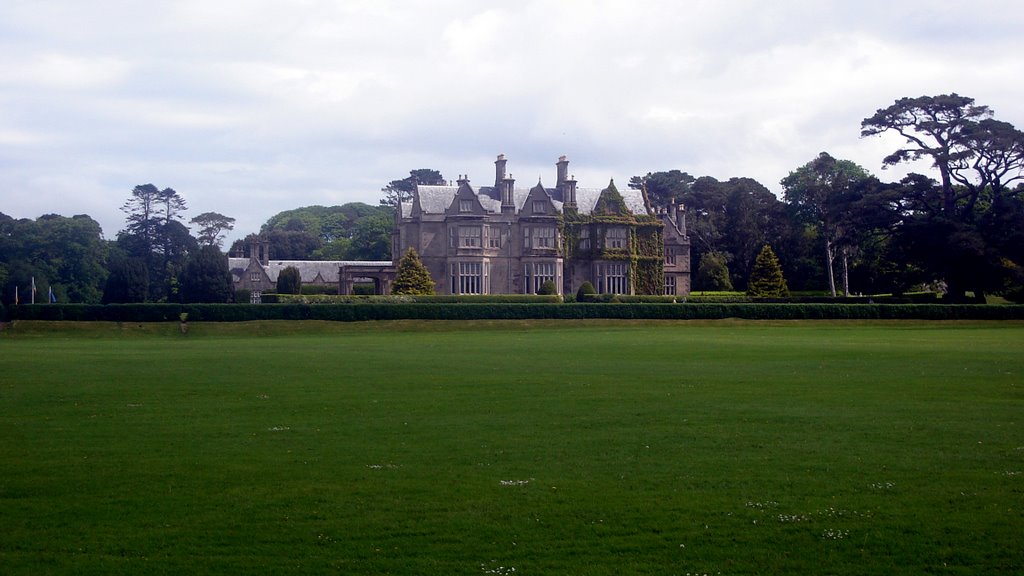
[563, 171]
[264, 252]
[570, 195]
[681, 218]
[508, 202]
[499, 170]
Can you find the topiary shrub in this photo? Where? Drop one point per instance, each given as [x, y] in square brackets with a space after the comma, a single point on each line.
[585, 292]
[547, 288]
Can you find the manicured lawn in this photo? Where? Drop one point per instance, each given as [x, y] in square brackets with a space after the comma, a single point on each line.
[544, 447]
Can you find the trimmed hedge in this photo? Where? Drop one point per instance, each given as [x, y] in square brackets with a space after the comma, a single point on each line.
[413, 299]
[505, 311]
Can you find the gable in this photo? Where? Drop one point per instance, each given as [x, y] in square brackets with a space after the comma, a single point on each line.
[465, 202]
[611, 203]
[539, 203]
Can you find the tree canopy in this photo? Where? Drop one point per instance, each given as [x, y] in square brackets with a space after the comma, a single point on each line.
[212, 228]
[822, 193]
[950, 230]
[66, 254]
[398, 191]
[353, 231]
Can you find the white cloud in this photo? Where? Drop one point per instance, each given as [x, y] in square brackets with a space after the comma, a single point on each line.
[252, 107]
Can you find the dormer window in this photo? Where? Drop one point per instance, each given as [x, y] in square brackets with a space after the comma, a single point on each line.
[465, 205]
[539, 206]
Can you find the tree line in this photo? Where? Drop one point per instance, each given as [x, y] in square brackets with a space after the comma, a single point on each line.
[958, 229]
[840, 228]
[157, 258]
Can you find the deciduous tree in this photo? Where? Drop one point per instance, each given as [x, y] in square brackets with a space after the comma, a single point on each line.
[713, 273]
[822, 193]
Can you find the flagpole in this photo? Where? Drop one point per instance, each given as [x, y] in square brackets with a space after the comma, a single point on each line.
[33, 289]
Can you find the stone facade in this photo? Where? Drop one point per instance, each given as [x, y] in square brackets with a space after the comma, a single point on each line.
[502, 239]
[258, 273]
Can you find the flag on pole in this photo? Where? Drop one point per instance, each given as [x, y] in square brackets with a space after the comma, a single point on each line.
[16, 296]
[53, 297]
[33, 289]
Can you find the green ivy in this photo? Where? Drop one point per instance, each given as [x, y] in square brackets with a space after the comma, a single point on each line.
[646, 251]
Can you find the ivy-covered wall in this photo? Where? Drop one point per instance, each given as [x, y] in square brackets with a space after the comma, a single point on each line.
[645, 249]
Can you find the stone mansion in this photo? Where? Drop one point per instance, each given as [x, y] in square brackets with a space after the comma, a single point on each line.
[504, 239]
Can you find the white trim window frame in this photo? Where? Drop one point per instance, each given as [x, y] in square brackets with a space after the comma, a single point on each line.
[469, 236]
[493, 235]
[617, 238]
[612, 277]
[544, 237]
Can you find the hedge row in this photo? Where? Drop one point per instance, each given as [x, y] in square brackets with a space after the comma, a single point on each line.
[500, 311]
[409, 299]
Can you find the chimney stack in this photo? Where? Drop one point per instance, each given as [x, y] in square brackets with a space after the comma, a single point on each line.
[499, 170]
[508, 202]
[569, 195]
[563, 171]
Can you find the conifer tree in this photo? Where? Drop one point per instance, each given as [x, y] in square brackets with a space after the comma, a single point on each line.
[766, 279]
[412, 277]
[289, 281]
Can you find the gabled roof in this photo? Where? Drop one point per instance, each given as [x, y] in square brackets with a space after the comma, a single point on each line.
[539, 194]
[309, 270]
[437, 199]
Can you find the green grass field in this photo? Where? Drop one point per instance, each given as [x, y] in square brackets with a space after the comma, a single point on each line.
[513, 448]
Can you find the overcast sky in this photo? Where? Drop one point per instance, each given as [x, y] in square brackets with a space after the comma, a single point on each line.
[251, 107]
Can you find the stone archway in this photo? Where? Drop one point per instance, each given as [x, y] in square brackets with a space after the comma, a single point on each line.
[382, 274]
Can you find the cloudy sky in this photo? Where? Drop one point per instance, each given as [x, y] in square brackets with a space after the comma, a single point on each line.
[250, 107]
